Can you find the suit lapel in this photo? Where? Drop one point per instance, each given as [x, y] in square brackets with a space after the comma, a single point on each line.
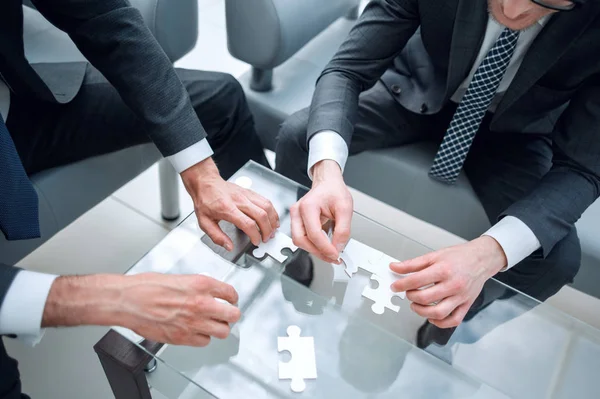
[549, 46]
[469, 30]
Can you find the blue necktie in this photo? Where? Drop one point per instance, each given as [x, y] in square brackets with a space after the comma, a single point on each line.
[453, 151]
[19, 215]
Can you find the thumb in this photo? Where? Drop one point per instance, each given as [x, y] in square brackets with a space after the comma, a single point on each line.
[343, 224]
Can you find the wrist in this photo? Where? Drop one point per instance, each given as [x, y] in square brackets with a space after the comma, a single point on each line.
[325, 170]
[83, 300]
[493, 254]
[205, 170]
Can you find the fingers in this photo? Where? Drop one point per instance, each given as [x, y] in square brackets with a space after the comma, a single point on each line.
[420, 279]
[299, 233]
[454, 319]
[430, 295]
[311, 217]
[436, 312]
[343, 222]
[223, 291]
[214, 328]
[267, 206]
[260, 217]
[245, 224]
[212, 229]
[412, 265]
[199, 340]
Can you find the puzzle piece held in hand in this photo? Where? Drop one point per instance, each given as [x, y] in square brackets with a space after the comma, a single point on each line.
[274, 246]
[382, 295]
[303, 365]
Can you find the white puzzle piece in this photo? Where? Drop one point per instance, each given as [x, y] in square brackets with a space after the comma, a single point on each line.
[340, 273]
[382, 295]
[303, 365]
[274, 246]
[357, 254]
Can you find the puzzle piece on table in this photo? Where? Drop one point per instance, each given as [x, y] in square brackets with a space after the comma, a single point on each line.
[340, 272]
[357, 255]
[274, 246]
[382, 295]
[303, 365]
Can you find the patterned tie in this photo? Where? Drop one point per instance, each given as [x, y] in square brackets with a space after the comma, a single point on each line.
[19, 217]
[454, 148]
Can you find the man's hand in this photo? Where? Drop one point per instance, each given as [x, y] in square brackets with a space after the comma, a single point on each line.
[216, 199]
[328, 199]
[175, 309]
[454, 277]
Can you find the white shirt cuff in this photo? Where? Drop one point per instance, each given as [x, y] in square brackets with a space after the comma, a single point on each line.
[23, 307]
[326, 144]
[516, 239]
[190, 156]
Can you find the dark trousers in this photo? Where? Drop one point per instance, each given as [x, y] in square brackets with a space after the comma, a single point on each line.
[10, 383]
[502, 168]
[98, 122]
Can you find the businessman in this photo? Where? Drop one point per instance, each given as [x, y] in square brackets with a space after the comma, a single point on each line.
[510, 89]
[55, 114]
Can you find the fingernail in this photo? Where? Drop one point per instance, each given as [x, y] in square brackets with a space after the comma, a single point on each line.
[278, 224]
[228, 247]
[273, 235]
[392, 288]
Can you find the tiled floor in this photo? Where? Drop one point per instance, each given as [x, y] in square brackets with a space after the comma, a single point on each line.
[116, 233]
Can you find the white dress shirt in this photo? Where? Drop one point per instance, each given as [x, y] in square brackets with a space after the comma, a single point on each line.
[515, 237]
[22, 309]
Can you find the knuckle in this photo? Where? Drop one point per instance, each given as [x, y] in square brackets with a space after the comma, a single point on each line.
[248, 224]
[262, 215]
[199, 283]
[236, 314]
[203, 341]
[438, 314]
[221, 205]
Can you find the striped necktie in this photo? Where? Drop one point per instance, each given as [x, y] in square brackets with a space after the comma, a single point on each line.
[19, 215]
[453, 151]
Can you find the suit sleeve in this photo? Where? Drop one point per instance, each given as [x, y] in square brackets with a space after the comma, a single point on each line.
[377, 38]
[112, 35]
[573, 182]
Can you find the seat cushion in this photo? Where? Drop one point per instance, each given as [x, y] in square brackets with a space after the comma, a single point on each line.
[67, 192]
[399, 177]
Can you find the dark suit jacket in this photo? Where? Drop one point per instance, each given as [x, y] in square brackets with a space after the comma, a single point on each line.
[113, 37]
[427, 48]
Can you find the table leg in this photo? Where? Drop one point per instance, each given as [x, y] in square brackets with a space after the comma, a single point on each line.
[124, 363]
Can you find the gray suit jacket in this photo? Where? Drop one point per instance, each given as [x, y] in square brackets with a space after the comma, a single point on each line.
[427, 48]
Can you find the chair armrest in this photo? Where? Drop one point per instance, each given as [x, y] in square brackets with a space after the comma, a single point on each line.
[266, 33]
[174, 23]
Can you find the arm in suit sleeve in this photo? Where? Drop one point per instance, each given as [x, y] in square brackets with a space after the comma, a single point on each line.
[573, 182]
[112, 35]
[378, 37]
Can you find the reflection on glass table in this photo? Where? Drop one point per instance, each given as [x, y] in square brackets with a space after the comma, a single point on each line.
[508, 346]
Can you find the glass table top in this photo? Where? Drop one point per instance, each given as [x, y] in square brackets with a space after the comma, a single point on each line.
[510, 346]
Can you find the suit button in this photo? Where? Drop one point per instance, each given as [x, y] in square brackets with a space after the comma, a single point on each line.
[424, 108]
[396, 89]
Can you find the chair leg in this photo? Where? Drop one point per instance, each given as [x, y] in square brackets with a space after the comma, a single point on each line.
[169, 190]
[262, 79]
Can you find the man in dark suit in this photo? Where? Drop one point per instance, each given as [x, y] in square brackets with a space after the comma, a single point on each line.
[515, 84]
[55, 114]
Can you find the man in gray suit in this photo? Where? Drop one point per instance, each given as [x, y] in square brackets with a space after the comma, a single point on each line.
[515, 84]
[54, 114]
